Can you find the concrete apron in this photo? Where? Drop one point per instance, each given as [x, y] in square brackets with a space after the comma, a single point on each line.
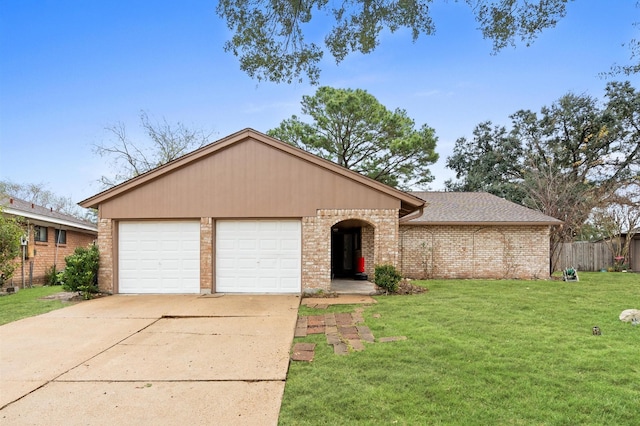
[161, 359]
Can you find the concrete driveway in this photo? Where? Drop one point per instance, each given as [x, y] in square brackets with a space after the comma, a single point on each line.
[157, 359]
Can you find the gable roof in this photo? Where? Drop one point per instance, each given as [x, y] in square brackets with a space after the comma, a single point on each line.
[43, 215]
[476, 208]
[409, 202]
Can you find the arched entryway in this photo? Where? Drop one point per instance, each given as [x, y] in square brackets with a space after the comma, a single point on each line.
[352, 255]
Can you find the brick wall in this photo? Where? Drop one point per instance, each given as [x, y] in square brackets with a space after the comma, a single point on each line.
[368, 249]
[206, 255]
[474, 252]
[43, 255]
[105, 247]
[379, 242]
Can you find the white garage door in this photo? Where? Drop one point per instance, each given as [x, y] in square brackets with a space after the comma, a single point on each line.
[159, 257]
[258, 256]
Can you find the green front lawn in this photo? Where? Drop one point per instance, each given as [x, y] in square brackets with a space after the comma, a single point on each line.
[27, 303]
[485, 353]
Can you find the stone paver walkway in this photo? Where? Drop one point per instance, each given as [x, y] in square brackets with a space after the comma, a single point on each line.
[344, 331]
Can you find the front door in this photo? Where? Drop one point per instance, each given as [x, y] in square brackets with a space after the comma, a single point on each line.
[345, 250]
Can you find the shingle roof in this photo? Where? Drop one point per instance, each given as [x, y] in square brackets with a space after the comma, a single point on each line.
[19, 207]
[476, 208]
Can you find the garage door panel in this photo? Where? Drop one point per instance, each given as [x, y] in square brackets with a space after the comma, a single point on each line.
[159, 257]
[246, 243]
[290, 282]
[261, 256]
[191, 244]
[225, 245]
[268, 245]
[245, 264]
[289, 244]
[289, 264]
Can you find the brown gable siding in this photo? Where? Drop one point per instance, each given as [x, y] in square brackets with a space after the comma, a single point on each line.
[248, 179]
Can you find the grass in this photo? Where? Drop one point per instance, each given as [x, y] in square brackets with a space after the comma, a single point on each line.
[482, 352]
[27, 303]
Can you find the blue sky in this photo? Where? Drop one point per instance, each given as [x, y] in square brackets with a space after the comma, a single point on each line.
[69, 69]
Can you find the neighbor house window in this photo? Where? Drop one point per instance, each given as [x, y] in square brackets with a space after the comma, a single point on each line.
[40, 234]
[61, 236]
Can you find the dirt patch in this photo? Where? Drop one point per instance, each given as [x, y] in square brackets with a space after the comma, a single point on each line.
[71, 296]
[404, 288]
[321, 295]
[342, 299]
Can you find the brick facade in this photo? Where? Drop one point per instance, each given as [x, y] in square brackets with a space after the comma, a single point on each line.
[419, 252]
[430, 251]
[105, 247]
[368, 249]
[379, 242]
[206, 255]
[41, 255]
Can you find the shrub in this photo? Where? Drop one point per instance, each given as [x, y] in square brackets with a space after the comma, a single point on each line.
[387, 278]
[52, 276]
[10, 249]
[81, 272]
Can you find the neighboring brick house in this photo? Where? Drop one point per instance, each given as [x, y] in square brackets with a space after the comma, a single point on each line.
[51, 236]
[251, 214]
[475, 235]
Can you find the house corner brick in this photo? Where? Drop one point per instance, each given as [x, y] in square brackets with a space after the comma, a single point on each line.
[206, 255]
[105, 247]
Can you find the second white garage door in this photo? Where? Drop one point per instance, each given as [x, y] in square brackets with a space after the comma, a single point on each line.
[258, 256]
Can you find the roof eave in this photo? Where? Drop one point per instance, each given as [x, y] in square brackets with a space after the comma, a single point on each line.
[48, 219]
[477, 223]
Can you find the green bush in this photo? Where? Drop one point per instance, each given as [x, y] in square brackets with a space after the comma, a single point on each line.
[10, 249]
[81, 272]
[52, 276]
[387, 278]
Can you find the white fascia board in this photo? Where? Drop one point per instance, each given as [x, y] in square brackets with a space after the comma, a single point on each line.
[55, 221]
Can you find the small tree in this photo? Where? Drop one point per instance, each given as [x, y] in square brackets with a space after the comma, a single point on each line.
[165, 143]
[10, 233]
[81, 272]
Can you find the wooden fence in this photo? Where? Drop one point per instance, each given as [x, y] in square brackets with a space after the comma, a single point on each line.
[584, 256]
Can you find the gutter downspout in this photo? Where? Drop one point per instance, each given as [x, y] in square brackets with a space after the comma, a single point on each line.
[412, 215]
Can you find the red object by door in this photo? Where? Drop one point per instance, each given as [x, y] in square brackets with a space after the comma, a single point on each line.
[360, 264]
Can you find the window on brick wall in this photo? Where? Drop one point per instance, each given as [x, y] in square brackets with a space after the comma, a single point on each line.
[61, 236]
[40, 234]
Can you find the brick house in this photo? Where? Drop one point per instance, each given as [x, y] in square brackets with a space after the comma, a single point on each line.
[50, 237]
[251, 214]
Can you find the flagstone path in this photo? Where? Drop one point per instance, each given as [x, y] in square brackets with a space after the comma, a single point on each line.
[346, 332]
